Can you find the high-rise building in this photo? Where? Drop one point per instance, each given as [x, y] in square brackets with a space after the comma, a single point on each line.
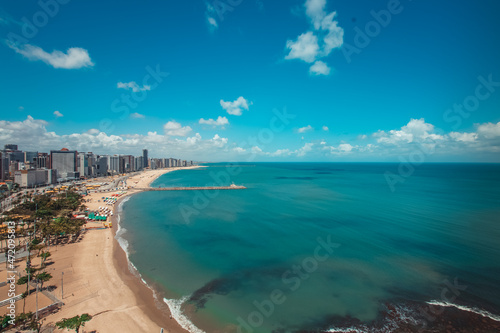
[30, 157]
[114, 164]
[145, 157]
[102, 165]
[42, 161]
[10, 147]
[4, 166]
[31, 178]
[139, 163]
[65, 162]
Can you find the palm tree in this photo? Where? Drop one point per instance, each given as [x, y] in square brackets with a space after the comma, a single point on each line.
[43, 277]
[75, 322]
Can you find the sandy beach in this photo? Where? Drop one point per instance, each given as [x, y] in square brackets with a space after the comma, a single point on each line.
[97, 279]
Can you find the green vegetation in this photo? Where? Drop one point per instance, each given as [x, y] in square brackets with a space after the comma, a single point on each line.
[42, 221]
[74, 323]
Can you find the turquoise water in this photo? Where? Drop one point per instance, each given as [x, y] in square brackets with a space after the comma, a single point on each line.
[309, 246]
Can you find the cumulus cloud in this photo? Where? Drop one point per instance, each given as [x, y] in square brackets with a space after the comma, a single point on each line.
[305, 129]
[174, 128]
[325, 128]
[236, 107]
[483, 143]
[324, 36]
[137, 115]
[32, 135]
[489, 130]
[319, 68]
[220, 121]
[58, 114]
[132, 85]
[417, 130]
[305, 48]
[305, 149]
[74, 58]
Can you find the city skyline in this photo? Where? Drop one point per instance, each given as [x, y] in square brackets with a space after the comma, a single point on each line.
[33, 168]
[310, 80]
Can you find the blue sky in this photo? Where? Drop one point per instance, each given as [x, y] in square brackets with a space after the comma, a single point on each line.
[383, 97]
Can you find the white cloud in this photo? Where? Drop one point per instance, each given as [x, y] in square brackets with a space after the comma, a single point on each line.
[239, 150]
[463, 137]
[315, 10]
[256, 150]
[489, 130]
[305, 48]
[235, 108]
[74, 58]
[136, 115]
[319, 68]
[210, 15]
[325, 128]
[281, 152]
[58, 114]
[335, 36]
[174, 128]
[305, 149]
[305, 129]
[132, 85]
[324, 36]
[417, 130]
[93, 131]
[21, 108]
[218, 141]
[483, 144]
[221, 121]
[212, 22]
[345, 147]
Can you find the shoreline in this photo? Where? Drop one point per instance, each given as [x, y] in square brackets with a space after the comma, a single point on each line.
[103, 282]
[154, 308]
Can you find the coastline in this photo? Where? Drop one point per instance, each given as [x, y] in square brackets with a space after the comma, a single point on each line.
[104, 285]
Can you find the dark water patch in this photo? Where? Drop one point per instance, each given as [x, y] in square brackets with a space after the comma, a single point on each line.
[295, 178]
[258, 278]
[407, 317]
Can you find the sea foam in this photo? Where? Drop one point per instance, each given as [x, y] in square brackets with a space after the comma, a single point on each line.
[483, 313]
[175, 309]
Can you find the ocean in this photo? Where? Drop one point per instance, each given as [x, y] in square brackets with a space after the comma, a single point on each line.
[322, 247]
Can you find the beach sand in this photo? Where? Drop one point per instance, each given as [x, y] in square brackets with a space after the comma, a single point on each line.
[97, 279]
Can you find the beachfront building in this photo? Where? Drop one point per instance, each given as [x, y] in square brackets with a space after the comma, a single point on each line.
[127, 163]
[65, 161]
[42, 161]
[114, 165]
[35, 177]
[139, 163]
[4, 166]
[86, 164]
[101, 165]
[145, 158]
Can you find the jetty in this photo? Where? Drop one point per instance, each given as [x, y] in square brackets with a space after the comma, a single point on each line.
[192, 188]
